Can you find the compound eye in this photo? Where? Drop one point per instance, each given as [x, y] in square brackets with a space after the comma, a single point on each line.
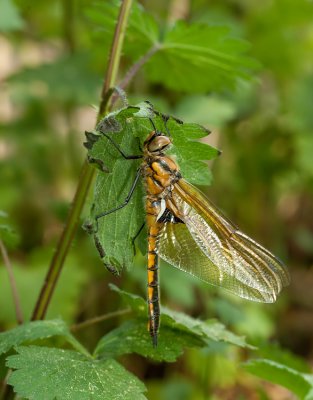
[159, 143]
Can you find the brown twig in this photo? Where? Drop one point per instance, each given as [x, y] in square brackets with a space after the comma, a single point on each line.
[100, 318]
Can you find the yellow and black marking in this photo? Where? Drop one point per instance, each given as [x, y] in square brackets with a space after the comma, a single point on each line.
[160, 173]
[152, 209]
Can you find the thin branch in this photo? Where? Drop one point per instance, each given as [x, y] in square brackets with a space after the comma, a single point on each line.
[8, 266]
[87, 174]
[100, 318]
[136, 67]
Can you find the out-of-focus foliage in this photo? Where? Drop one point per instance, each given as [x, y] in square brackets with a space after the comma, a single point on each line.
[10, 18]
[257, 102]
[29, 282]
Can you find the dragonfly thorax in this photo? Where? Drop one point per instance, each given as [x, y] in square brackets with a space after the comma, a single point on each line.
[160, 173]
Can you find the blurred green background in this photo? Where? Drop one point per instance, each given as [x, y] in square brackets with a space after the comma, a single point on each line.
[53, 60]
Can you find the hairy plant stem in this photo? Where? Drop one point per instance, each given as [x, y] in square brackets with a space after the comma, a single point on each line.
[115, 55]
[86, 176]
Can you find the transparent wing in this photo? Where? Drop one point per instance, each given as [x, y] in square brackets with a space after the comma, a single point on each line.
[210, 247]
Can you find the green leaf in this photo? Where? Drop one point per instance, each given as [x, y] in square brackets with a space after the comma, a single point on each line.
[129, 128]
[43, 373]
[117, 230]
[133, 337]
[180, 323]
[191, 57]
[299, 383]
[137, 303]
[7, 233]
[10, 19]
[283, 356]
[198, 57]
[31, 331]
[210, 330]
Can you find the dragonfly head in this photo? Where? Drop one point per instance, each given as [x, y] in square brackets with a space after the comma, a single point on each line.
[157, 142]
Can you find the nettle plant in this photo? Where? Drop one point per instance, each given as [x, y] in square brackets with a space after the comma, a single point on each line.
[42, 358]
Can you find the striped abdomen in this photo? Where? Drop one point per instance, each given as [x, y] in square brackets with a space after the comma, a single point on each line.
[159, 173]
[152, 210]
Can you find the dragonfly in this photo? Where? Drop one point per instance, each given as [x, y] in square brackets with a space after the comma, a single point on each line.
[189, 232]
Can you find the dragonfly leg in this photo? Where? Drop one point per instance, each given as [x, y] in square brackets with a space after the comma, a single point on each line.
[126, 201]
[152, 123]
[165, 119]
[135, 237]
[127, 157]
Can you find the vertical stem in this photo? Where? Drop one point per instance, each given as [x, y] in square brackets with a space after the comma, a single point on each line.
[87, 173]
[6, 391]
[8, 266]
[115, 54]
[64, 243]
